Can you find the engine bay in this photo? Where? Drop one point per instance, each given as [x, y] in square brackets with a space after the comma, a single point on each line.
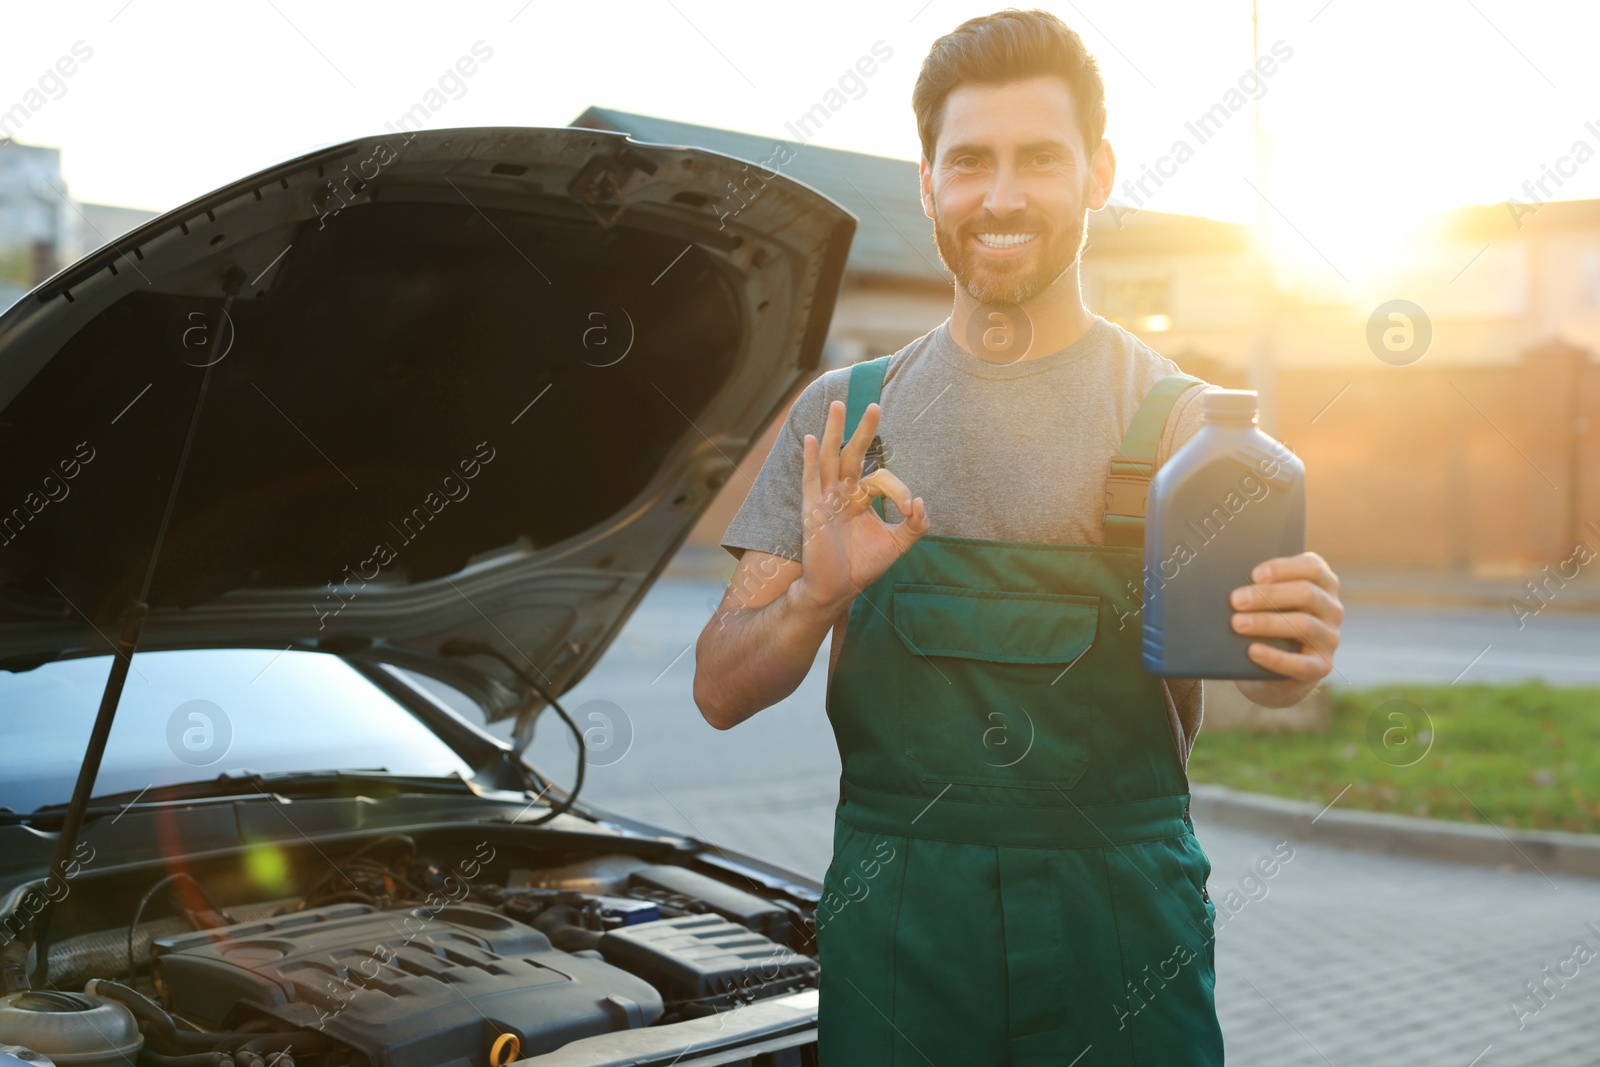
[388, 955]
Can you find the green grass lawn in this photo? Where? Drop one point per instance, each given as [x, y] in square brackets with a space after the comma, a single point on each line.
[1525, 755]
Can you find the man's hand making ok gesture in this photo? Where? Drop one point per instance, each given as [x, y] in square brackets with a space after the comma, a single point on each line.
[847, 545]
[764, 636]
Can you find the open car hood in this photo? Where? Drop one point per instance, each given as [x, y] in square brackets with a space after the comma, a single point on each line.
[475, 384]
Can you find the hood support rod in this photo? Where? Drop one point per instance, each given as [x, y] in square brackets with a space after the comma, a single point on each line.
[127, 645]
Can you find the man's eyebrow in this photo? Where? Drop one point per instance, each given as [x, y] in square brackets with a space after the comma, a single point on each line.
[987, 152]
[967, 149]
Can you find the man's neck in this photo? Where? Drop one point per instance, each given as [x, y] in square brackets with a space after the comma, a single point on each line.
[1056, 316]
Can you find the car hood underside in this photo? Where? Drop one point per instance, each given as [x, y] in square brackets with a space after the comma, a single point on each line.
[473, 384]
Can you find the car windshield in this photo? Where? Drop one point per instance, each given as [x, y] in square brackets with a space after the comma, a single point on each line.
[193, 714]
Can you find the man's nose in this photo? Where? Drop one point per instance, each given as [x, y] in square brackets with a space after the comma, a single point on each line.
[1005, 194]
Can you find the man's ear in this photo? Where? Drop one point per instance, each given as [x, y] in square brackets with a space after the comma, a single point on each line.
[1102, 174]
[925, 177]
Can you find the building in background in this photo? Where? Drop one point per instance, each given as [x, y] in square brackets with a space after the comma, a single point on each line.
[1481, 453]
[42, 229]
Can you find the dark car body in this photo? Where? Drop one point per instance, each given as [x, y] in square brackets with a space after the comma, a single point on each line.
[405, 412]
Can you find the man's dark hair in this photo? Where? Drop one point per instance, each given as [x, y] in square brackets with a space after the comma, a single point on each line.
[1008, 46]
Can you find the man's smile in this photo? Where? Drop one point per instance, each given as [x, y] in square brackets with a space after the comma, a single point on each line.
[1005, 240]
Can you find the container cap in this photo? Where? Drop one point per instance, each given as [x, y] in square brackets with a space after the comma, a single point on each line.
[1228, 403]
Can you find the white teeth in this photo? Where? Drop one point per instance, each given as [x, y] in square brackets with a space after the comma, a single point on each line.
[1006, 240]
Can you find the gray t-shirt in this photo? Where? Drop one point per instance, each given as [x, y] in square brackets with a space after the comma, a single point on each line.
[976, 439]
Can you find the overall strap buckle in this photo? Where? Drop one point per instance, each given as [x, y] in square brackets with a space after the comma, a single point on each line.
[1127, 489]
[1127, 484]
[1130, 470]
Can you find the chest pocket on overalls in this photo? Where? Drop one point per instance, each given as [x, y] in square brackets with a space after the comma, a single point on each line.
[982, 697]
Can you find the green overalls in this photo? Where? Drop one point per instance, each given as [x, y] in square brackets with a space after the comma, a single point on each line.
[1015, 877]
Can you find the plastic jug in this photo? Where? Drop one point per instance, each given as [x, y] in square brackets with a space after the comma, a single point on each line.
[1231, 497]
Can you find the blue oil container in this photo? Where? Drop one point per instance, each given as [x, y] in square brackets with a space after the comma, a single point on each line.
[1231, 497]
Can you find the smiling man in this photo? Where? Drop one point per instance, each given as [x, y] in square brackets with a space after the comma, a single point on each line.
[1015, 877]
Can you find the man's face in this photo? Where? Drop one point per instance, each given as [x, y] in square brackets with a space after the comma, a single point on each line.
[1009, 186]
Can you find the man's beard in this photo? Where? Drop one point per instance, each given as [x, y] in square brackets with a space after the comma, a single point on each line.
[1010, 283]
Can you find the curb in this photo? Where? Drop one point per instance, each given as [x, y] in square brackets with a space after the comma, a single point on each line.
[1542, 851]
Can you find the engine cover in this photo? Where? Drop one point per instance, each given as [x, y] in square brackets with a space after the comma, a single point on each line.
[420, 988]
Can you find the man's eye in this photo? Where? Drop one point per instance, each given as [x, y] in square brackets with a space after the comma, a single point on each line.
[1044, 159]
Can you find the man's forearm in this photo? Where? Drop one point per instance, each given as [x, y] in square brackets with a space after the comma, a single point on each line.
[751, 658]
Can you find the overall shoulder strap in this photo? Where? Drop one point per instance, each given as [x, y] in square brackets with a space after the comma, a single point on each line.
[1128, 479]
[866, 384]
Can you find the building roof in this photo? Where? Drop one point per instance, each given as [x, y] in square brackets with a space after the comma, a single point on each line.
[1519, 216]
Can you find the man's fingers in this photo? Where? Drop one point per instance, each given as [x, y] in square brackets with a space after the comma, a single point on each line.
[1301, 666]
[1296, 625]
[1307, 565]
[810, 488]
[1300, 595]
[855, 449]
[884, 482]
[832, 433]
[817, 507]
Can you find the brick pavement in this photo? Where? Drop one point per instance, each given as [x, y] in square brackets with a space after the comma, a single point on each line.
[1340, 957]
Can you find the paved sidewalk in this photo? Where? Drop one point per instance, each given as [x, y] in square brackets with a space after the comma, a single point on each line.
[1350, 958]
[1340, 957]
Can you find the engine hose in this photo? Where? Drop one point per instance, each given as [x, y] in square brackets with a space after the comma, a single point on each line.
[306, 1040]
[273, 1050]
[558, 923]
[162, 1029]
[75, 960]
[151, 1058]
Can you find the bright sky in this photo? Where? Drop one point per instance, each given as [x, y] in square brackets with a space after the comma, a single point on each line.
[1382, 106]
